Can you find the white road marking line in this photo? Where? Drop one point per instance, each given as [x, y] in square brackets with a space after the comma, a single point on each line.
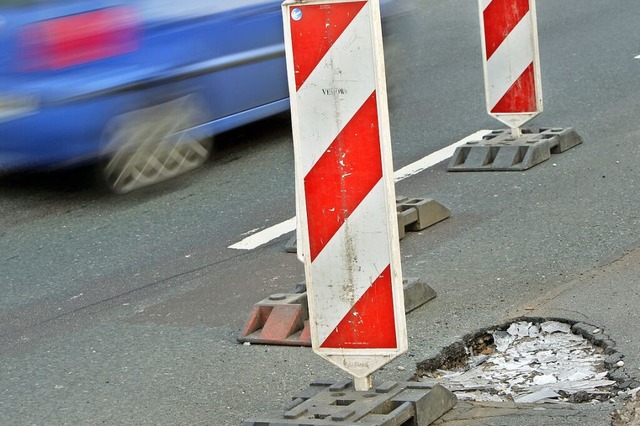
[435, 157]
[637, 57]
[266, 235]
[289, 225]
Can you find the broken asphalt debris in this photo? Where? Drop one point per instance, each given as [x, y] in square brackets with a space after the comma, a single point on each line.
[629, 414]
[531, 360]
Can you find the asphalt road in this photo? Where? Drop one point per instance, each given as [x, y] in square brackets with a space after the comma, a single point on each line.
[125, 309]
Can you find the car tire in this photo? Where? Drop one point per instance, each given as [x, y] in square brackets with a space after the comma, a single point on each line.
[153, 144]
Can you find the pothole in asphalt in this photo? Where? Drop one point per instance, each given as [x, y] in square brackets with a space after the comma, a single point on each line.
[532, 360]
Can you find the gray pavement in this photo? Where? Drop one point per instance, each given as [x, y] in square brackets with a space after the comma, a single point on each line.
[125, 311]
[607, 297]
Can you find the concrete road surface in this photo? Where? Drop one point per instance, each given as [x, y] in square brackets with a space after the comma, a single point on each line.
[125, 310]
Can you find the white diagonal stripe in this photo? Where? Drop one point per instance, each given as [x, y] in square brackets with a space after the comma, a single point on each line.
[484, 3]
[349, 83]
[354, 258]
[510, 60]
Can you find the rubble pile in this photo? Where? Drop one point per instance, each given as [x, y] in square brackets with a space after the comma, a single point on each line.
[629, 415]
[529, 363]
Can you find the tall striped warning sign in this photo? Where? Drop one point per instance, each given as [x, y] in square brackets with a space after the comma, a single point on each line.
[511, 60]
[344, 183]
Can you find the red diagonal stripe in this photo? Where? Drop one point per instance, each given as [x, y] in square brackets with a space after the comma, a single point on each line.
[521, 96]
[317, 30]
[371, 321]
[500, 18]
[343, 176]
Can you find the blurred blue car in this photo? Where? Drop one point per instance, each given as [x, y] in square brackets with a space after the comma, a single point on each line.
[118, 82]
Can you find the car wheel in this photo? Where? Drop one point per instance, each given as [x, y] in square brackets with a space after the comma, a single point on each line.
[151, 145]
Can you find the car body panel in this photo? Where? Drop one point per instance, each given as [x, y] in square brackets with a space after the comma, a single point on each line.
[228, 54]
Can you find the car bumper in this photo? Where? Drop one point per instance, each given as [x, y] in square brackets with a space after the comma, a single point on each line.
[52, 135]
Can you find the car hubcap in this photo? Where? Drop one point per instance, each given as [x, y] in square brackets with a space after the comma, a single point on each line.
[151, 145]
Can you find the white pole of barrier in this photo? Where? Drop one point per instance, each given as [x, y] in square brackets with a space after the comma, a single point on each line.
[511, 61]
[344, 183]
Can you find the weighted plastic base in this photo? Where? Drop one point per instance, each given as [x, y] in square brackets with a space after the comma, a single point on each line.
[391, 403]
[283, 319]
[500, 151]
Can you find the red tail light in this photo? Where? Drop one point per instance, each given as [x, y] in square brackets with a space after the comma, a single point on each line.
[78, 39]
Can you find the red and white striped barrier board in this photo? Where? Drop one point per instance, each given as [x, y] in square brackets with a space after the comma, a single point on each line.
[344, 183]
[511, 60]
